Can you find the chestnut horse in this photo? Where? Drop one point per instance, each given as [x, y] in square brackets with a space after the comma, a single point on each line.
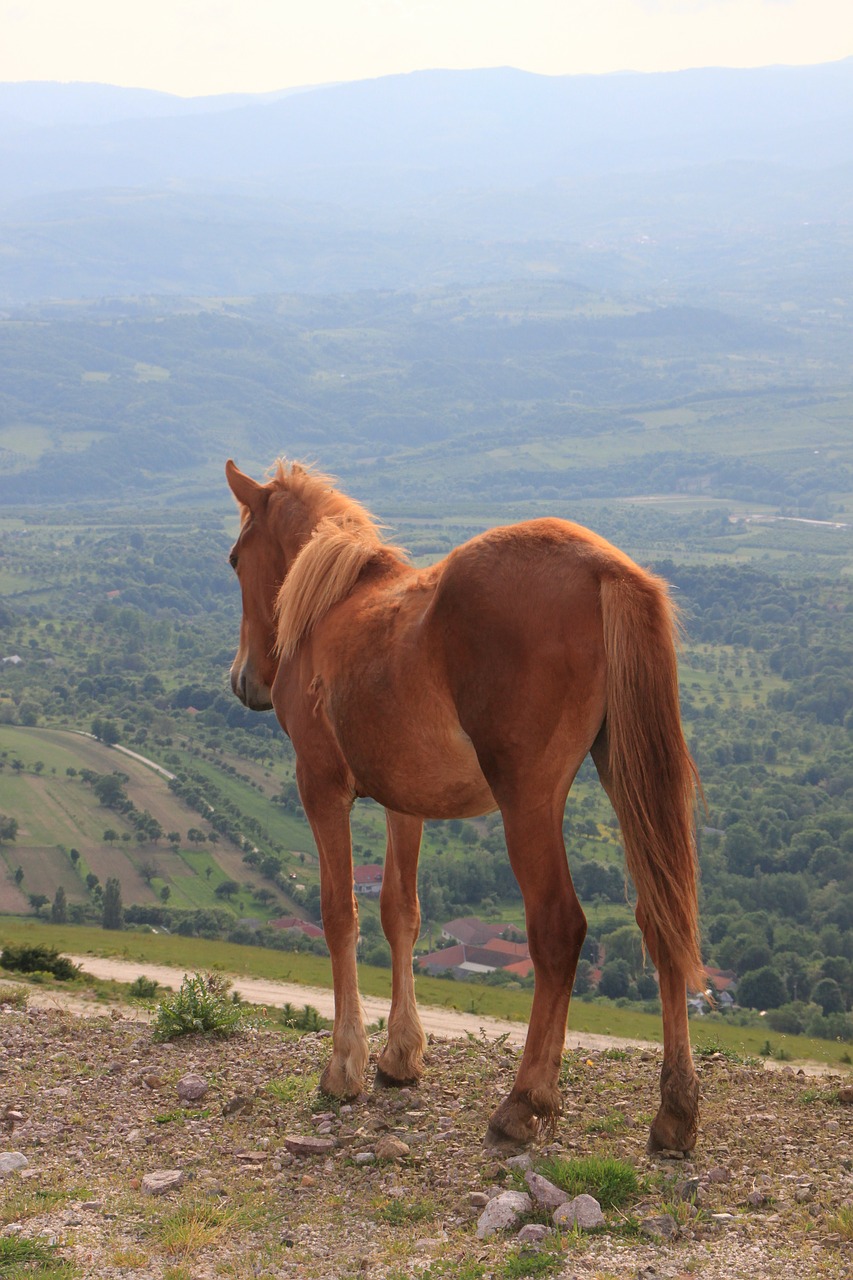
[479, 683]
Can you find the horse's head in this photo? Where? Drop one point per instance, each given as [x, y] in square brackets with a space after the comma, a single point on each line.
[259, 559]
[278, 519]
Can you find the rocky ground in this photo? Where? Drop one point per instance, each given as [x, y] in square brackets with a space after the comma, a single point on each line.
[201, 1158]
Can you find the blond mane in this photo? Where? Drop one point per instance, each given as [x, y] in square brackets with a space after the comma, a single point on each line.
[344, 539]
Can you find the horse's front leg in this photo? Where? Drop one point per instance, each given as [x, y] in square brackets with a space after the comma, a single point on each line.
[328, 808]
[401, 1061]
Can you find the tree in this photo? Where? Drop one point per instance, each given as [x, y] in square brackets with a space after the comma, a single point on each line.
[615, 979]
[227, 889]
[37, 901]
[762, 989]
[105, 731]
[112, 910]
[165, 894]
[828, 995]
[19, 875]
[59, 909]
[8, 828]
[109, 788]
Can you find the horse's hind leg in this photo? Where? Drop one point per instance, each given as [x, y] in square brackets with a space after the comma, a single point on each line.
[401, 1061]
[676, 1124]
[556, 927]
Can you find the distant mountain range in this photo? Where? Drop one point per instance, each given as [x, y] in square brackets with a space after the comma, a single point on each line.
[403, 181]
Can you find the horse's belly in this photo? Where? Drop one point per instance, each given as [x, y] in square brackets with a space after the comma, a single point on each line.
[424, 773]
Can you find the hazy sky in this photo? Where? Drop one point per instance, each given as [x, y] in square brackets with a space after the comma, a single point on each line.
[218, 46]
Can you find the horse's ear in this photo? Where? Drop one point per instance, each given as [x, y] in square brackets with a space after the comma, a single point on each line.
[246, 490]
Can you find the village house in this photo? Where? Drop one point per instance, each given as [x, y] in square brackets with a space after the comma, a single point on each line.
[367, 880]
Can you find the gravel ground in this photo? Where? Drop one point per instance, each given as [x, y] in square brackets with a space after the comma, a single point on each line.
[393, 1186]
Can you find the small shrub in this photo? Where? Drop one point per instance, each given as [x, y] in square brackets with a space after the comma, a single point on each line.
[610, 1181]
[201, 1006]
[842, 1223]
[14, 996]
[24, 959]
[530, 1262]
[143, 988]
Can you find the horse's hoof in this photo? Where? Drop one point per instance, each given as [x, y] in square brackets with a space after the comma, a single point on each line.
[499, 1143]
[671, 1140]
[334, 1084]
[384, 1081]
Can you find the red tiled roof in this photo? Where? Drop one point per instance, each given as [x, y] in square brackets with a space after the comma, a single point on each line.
[370, 874]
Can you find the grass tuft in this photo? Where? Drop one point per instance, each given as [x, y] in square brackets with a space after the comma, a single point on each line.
[612, 1182]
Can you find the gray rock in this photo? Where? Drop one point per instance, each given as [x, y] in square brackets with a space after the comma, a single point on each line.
[522, 1161]
[306, 1146]
[161, 1181]
[365, 1157]
[584, 1212]
[533, 1233]
[191, 1087]
[663, 1226]
[545, 1193]
[503, 1213]
[478, 1199]
[10, 1161]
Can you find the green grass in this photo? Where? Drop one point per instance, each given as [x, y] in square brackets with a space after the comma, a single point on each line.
[22, 1257]
[611, 1182]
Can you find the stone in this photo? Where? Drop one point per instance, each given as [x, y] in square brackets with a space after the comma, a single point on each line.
[663, 1226]
[845, 1095]
[390, 1148]
[11, 1161]
[583, 1212]
[365, 1157]
[161, 1181]
[503, 1213]
[545, 1193]
[520, 1162]
[533, 1233]
[191, 1087]
[238, 1105]
[308, 1146]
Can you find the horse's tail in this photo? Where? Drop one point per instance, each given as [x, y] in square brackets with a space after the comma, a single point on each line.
[651, 776]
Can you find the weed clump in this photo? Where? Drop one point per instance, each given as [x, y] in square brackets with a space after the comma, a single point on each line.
[202, 1005]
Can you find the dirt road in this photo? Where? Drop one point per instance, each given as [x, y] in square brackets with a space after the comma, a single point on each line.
[446, 1023]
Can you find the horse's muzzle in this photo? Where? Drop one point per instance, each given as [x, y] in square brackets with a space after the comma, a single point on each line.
[252, 693]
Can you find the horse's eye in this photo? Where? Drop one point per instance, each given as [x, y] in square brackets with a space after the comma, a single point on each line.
[232, 559]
